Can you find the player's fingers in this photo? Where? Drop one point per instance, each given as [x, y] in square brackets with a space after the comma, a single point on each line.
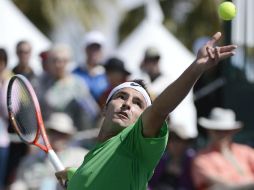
[217, 54]
[61, 177]
[210, 53]
[224, 48]
[66, 184]
[61, 181]
[226, 55]
[227, 48]
[61, 174]
[214, 39]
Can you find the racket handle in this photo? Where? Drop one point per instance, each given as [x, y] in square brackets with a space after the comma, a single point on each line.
[55, 160]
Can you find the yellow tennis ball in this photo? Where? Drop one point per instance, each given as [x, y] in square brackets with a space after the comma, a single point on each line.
[227, 10]
[70, 172]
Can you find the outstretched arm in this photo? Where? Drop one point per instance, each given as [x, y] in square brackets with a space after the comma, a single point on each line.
[207, 57]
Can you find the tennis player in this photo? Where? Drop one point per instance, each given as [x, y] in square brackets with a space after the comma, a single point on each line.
[133, 135]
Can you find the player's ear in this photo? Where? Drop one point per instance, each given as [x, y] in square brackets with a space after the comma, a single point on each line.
[103, 111]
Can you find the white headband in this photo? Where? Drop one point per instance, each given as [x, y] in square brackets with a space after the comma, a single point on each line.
[133, 85]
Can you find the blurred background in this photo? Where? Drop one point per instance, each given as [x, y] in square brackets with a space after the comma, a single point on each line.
[188, 23]
[175, 28]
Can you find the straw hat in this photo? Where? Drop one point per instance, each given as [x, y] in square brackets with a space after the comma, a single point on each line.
[61, 122]
[220, 119]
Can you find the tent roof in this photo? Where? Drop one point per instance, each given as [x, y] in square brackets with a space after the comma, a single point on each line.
[174, 56]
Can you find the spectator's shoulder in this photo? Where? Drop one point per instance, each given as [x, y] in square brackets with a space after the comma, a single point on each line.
[242, 148]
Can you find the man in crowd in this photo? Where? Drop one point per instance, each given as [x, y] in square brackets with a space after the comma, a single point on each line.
[223, 164]
[91, 70]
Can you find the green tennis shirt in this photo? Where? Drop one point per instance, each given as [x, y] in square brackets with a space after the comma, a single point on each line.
[126, 161]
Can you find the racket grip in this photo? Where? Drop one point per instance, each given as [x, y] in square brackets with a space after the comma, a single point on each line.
[55, 160]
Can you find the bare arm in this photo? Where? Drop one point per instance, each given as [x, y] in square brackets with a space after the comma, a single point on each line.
[207, 57]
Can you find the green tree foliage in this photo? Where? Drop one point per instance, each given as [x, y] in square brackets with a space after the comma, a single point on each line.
[34, 11]
[46, 14]
[130, 21]
[201, 20]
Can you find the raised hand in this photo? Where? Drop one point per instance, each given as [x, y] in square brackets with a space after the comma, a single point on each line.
[209, 55]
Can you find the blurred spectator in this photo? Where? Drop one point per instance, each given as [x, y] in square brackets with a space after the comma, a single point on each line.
[23, 51]
[44, 60]
[173, 171]
[18, 150]
[116, 74]
[44, 78]
[157, 80]
[150, 72]
[35, 171]
[91, 69]
[62, 91]
[223, 164]
[150, 63]
[5, 74]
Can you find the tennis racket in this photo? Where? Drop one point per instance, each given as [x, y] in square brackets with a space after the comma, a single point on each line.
[25, 116]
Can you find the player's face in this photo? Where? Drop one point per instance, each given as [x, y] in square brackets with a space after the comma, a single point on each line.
[125, 107]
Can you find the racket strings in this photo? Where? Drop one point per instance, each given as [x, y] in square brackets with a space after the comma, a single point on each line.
[24, 111]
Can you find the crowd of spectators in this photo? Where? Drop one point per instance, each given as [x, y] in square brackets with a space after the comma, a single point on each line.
[71, 102]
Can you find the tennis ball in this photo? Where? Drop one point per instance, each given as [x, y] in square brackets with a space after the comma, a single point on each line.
[227, 10]
[70, 172]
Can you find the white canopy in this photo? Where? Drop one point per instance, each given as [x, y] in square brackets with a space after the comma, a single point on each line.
[175, 57]
[15, 27]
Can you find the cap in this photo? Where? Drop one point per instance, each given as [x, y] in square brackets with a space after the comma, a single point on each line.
[94, 37]
[152, 52]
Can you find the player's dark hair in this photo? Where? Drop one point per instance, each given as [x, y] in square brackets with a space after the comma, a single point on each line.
[142, 83]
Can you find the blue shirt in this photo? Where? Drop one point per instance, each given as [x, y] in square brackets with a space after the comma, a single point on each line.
[96, 83]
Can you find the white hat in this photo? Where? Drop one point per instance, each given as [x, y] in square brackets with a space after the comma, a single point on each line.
[220, 119]
[94, 37]
[61, 122]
